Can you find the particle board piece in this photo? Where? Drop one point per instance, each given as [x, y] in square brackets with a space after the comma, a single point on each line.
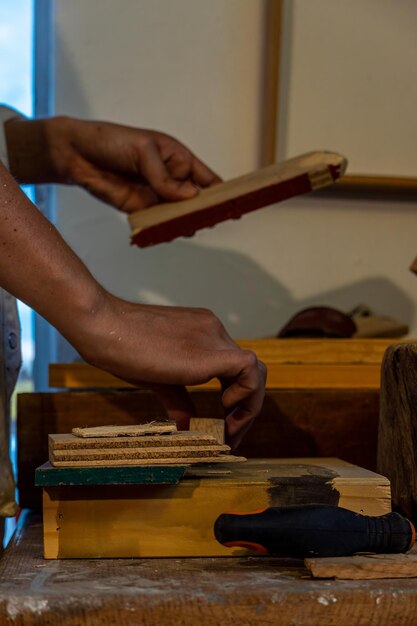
[234, 198]
[135, 430]
[365, 566]
[67, 441]
[102, 454]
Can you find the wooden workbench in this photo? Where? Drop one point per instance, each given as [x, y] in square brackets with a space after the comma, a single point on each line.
[184, 592]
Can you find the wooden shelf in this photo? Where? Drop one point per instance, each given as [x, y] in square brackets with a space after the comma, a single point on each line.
[379, 184]
[292, 364]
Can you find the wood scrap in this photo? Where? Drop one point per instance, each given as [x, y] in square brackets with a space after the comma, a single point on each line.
[181, 448]
[134, 430]
[209, 426]
[365, 566]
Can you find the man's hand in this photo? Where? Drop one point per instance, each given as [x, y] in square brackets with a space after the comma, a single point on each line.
[129, 168]
[165, 349]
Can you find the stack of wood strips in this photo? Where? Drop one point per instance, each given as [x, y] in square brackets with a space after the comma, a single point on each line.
[156, 443]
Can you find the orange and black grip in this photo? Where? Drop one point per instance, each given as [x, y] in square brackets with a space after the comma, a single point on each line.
[314, 530]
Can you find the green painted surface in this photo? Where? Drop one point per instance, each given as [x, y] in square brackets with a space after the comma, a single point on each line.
[48, 476]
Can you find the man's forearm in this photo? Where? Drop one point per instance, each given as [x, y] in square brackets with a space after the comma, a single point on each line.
[38, 267]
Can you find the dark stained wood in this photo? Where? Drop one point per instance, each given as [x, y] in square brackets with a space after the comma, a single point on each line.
[293, 423]
[397, 437]
[48, 476]
[182, 592]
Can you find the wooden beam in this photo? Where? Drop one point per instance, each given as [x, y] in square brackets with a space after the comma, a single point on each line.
[397, 437]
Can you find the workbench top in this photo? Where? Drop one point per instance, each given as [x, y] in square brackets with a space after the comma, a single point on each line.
[183, 592]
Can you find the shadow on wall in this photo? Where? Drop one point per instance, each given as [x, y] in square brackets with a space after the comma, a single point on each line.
[249, 300]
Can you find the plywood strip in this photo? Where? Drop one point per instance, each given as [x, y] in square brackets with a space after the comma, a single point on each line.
[137, 453]
[226, 458]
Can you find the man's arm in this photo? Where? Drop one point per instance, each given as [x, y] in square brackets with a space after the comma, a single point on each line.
[163, 348]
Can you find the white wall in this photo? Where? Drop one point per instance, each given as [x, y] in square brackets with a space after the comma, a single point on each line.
[353, 82]
[193, 69]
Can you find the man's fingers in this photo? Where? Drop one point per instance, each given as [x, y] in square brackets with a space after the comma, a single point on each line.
[177, 403]
[243, 398]
[246, 384]
[153, 168]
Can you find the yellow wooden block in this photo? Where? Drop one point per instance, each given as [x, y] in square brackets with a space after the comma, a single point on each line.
[177, 520]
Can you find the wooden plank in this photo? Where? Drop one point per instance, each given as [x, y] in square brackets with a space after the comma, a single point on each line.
[233, 198]
[67, 441]
[160, 592]
[135, 430]
[299, 423]
[363, 567]
[304, 354]
[397, 436]
[136, 521]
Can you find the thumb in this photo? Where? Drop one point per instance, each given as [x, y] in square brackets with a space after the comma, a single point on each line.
[177, 404]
